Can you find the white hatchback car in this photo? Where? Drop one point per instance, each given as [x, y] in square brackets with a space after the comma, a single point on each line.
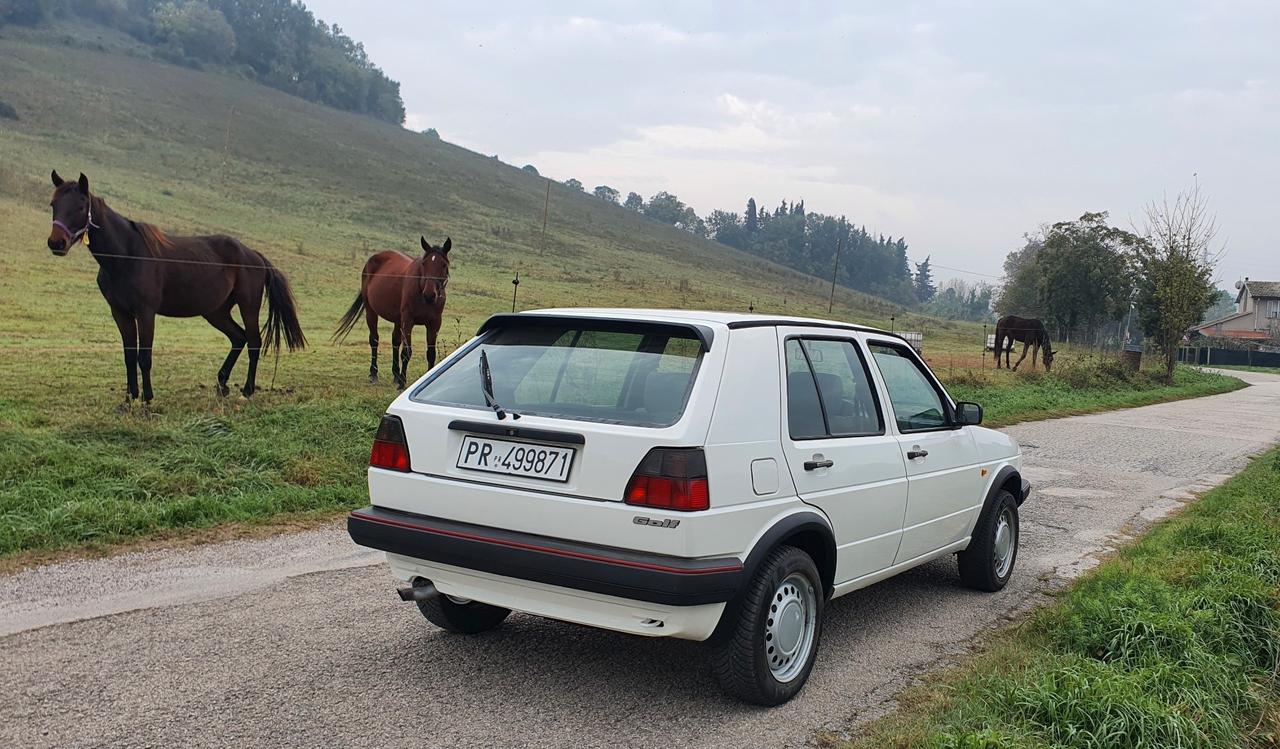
[699, 475]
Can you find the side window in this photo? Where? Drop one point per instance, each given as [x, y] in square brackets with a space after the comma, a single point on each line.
[916, 403]
[829, 392]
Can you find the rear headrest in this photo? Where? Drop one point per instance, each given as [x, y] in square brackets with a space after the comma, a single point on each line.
[832, 386]
[664, 393]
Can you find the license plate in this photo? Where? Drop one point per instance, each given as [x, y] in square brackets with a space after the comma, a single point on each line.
[515, 458]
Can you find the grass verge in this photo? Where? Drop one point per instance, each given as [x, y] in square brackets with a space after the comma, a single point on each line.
[1175, 642]
[1087, 385]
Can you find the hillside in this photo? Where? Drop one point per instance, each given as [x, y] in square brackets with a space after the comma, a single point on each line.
[313, 188]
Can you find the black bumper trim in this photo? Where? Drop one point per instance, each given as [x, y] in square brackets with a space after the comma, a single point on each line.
[1025, 491]
[654, 578]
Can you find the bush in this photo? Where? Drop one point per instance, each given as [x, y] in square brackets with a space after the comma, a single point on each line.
[7, 112]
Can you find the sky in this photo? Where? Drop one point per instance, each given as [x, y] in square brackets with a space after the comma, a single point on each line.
[960, 126]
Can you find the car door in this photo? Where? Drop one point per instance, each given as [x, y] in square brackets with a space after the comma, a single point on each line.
[943, 475]
[841, 455]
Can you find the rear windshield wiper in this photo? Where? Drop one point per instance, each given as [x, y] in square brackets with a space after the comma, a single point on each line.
[486, 385]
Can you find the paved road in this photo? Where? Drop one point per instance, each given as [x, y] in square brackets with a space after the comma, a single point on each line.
[300, 641]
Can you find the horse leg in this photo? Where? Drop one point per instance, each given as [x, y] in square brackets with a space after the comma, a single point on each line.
[235, 334]
[431, 346]
[253, 336]
[371, 318]
[1035, 354]
[146, 336]
[406, 353]
[129, 338]
[1025, 346]
[998, 347]
[396, 340]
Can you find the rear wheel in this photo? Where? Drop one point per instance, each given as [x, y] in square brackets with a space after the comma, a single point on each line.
[988, 562]
[765, 655]
[460, 615]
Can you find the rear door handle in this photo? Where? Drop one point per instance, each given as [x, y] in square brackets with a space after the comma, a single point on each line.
[813, 465]
[913, 454]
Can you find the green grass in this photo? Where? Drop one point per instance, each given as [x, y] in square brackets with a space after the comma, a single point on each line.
[315, 190]
[1175, 642]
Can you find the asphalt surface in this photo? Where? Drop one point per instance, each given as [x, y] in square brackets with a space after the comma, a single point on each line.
[300, 640]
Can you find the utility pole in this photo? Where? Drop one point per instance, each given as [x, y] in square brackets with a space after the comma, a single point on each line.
[515, 287]
[546, 204]
[834, 270]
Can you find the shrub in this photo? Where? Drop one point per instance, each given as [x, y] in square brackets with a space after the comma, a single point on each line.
[8, 112]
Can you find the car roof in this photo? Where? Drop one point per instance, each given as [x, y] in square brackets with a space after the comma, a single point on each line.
[703, 317]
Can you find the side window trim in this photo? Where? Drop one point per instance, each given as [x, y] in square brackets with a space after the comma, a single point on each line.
[872, 386]
[944, 397]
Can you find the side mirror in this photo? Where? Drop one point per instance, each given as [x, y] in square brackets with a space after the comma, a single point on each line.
[968, 414]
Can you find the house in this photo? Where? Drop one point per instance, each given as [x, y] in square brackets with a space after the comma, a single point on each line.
[1257, 315]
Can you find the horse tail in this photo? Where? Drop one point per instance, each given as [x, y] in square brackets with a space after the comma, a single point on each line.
[282, 313]
[348, 320]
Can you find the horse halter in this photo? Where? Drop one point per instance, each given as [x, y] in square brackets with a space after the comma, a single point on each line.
[73, 237]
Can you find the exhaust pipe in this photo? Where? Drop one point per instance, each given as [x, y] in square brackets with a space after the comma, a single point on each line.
[422, 590]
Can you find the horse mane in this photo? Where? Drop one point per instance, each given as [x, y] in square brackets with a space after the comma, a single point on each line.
[153, 237]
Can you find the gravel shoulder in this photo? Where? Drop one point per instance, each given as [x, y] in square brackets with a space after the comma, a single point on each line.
[299, 640]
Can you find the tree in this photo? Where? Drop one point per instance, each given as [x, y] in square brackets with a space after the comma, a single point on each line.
[1175, 262]
[924, 281]
[1085, 274]
[431, 133]
[196, 30]
[634, 202]
[1222, 305]
[726, 228]
[752, 223]
[530, 168]
[573, 184]
[1020, 292]
[607, 194]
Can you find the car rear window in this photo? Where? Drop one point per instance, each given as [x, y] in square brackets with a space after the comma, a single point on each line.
[623, 374]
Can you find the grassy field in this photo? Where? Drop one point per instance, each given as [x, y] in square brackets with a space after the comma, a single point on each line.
[315, 190]
[1173, 643]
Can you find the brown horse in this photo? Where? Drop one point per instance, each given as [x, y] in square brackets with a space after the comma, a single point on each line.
[1030, 333]
[404, 291]
[142, 272]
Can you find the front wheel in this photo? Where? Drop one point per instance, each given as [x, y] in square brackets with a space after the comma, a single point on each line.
[766, 654]
[988, 562]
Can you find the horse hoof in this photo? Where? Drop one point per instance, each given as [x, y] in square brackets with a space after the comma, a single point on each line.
[223, 390]
[373, 379]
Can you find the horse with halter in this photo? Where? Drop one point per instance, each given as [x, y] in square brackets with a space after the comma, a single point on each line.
[1030, 333]
[405, 291]
[143, 272]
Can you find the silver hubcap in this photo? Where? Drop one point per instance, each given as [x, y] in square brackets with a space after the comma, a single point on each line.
[1006, 543]
[790, 626]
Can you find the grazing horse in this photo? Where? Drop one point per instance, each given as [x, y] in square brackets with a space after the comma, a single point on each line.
[1031, 333]
[405, 291]
[143, 272]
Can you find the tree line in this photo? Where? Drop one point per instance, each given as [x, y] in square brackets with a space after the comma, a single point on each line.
[277, 42]
[793, 237]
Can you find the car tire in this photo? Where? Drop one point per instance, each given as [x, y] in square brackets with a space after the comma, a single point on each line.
[461, 616]
[765, 652]
[988, 562]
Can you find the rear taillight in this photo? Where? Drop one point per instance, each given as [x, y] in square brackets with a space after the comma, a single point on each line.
[670, 478]
[390, 451]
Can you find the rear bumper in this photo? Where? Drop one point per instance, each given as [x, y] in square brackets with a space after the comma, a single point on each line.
[653, 578]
